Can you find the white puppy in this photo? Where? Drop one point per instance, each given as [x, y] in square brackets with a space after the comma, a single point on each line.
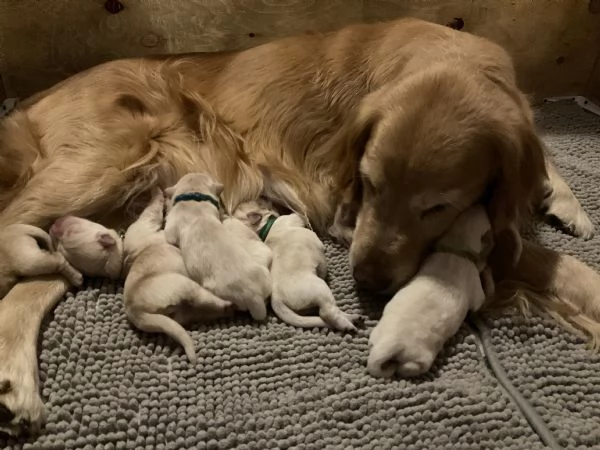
[94, 249]
[27, 251]
[159, 295]
[298, 270]
[258, 250]
[429, 310]
[213, 255]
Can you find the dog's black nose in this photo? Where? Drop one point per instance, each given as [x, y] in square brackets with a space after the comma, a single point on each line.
[371, 279]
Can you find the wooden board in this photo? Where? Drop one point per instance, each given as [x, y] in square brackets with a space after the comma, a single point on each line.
[554, 42]
[593, 86]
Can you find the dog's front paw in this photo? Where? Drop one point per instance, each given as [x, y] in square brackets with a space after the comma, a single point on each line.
[394, 352]
[565, 212]
[341, 234]
[21, 408]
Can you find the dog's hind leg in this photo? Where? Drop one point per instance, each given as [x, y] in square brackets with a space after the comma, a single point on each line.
[21, 313]
[561, 206]
[46, 263]
[59, 190]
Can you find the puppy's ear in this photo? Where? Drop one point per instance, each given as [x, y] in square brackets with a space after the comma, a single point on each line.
[276, 188]
[169, 192]
[254, 218]
[518, 184]
[105, 240]
[218, 188]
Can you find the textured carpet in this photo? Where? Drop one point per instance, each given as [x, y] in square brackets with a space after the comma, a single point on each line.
[273, 386]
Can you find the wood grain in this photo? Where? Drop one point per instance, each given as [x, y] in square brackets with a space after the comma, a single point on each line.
[554, 42]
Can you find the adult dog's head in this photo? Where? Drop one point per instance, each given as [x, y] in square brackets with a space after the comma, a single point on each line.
[426, 150]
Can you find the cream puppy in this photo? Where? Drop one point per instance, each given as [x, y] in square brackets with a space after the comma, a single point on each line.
[429, 310]
[213, 256]
[94, 249]
[27, 251]
[258, 250]
[159, 295]
[298, 269]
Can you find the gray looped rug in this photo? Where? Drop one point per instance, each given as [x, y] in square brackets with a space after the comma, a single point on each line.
[263, 386]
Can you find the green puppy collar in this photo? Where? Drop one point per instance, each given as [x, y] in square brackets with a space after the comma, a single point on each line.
[196, 197]
[264, 231]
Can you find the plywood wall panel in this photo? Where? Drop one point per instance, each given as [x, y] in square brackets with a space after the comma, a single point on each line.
[554, 42]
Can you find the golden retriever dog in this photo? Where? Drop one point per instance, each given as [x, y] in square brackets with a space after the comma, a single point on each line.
[381, 133]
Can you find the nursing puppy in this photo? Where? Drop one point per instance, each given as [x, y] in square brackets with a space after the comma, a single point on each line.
[298, 269]
[159, 295]
[258, 250]
[27, 251]
[213, 255]
[429, 310]
[90, 247]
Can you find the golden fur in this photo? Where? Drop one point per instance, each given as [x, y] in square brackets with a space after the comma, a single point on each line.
[403, 124]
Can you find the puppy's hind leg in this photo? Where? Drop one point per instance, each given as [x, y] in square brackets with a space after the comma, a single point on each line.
[149, 221]
[208, 305]
[331, 313]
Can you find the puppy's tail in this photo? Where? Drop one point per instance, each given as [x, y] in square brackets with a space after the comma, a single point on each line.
[285, 313]
[158, 323]
[556, 285]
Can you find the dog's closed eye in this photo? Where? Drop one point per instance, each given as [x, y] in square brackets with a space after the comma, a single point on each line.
[434, 210]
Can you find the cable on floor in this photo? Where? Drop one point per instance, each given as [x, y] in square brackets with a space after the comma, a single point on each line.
[483, 336]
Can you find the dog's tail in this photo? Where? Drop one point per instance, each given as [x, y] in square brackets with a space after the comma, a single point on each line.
[158, 323]
[557, 285]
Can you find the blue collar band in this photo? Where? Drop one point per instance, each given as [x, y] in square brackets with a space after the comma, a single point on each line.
[196, 197]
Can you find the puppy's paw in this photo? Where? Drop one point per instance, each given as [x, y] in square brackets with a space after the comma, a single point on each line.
[258, 310]
[342, 321]
[565, 212]
[392, 353]
[76, 278]
[21, 408]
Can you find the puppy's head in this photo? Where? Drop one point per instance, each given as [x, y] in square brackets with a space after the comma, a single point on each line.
[88, 246]
[254, 214]
[197, 182]
[471, 232]
[427, 150]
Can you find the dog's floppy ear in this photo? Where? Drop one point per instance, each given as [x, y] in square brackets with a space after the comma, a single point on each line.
[358, 135]
[518, 183]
